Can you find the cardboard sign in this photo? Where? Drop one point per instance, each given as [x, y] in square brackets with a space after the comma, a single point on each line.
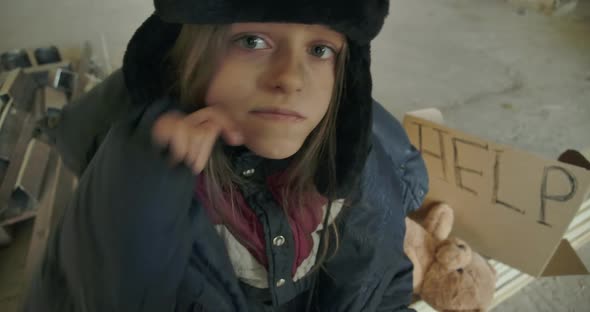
[509, 205]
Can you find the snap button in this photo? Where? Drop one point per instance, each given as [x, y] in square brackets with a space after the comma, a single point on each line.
[248, 173]
[280, 282]
[279, 241]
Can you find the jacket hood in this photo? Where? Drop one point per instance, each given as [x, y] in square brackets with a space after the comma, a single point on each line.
[360, 20]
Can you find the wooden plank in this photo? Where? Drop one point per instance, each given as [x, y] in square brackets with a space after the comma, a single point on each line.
[16, 161]
[30, 177]
[5, 236]
[12, 121]
[59, 188]
[51, 67]
[20, 87]
[43, 219]
[12, 267]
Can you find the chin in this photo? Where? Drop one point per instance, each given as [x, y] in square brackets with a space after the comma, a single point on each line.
[273, 151]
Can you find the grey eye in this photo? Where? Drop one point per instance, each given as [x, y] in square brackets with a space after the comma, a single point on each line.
[461, 246]
[460, 271]
[252, 42]
[322, 51]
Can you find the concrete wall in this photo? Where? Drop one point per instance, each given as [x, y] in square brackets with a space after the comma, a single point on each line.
[108, 24]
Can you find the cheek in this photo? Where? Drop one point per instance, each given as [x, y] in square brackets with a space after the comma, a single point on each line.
[321, 95]
[214, 90]
[217, 89]
[226, 84]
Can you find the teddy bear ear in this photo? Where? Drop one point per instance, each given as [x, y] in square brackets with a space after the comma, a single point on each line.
[439, 221]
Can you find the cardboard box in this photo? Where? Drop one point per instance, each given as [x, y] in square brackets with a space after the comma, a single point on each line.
[68, 68]
[17, 89]
[509, 205]
[26, 58]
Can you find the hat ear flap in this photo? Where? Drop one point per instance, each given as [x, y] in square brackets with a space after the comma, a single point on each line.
[353, 121]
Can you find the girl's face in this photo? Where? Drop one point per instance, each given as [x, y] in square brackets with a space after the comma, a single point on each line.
[276, 81]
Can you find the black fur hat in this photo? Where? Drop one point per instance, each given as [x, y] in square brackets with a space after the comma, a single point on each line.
[359, 20]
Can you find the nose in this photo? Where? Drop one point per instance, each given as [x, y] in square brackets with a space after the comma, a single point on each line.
[287, 72]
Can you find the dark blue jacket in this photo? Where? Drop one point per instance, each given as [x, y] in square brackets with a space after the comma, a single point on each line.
[134, 238]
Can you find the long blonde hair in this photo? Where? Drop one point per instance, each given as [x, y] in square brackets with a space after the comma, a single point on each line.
[194, 58]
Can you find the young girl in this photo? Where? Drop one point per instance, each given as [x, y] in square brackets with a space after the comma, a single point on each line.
[237, 162]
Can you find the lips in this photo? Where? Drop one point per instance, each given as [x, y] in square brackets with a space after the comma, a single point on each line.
[278, 114]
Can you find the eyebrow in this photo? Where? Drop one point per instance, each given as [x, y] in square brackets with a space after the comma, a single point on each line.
[327, 34]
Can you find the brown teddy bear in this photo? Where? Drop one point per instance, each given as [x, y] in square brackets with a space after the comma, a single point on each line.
[448, 275]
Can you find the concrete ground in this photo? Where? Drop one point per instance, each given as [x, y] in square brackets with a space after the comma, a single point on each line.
[496, 71]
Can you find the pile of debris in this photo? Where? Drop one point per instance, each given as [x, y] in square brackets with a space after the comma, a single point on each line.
[34, 85]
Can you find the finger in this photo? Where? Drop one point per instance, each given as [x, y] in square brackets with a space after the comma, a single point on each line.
[179, 144]
[164, 126]
[196, 136]
[193, 151]
[206, 147]
[229, 128]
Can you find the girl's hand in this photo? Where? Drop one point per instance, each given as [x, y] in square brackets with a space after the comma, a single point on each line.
[191, 138]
